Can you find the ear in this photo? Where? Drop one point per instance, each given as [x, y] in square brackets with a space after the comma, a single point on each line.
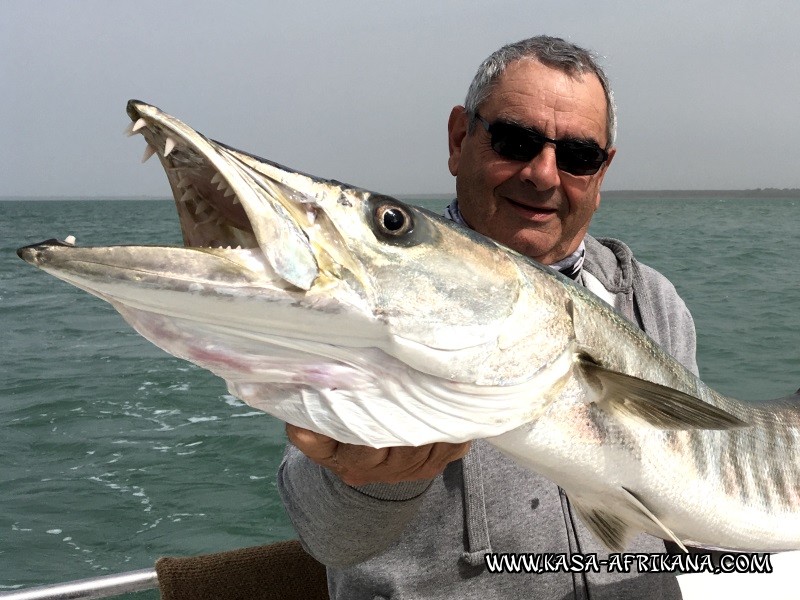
[611, 152]
[602, 174]
[456, 132]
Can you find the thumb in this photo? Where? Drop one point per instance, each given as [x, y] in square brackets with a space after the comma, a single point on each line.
[316, 446]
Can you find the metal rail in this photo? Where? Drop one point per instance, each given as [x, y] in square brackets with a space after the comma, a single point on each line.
[87, 589]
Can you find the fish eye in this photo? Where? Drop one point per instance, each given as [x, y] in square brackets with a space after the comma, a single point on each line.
[393, 219]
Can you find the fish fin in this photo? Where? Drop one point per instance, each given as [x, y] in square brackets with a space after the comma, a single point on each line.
[608, 527]
[613, 529]
[658, 405]
[648, 513]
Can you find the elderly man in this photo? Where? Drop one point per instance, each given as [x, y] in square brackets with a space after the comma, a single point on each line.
[529, 151]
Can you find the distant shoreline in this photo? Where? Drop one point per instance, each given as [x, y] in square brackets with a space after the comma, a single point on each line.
[756, 194]
[647, 194]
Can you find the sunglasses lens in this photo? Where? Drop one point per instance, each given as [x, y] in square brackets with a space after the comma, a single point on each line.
[517, 143]
[580, 159]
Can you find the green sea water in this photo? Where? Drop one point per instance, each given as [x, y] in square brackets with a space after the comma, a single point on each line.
[113, 453]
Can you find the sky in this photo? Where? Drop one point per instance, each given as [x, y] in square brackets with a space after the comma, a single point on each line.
[708, 91]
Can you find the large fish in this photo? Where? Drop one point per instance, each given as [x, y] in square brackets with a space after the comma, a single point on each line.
[379, 323]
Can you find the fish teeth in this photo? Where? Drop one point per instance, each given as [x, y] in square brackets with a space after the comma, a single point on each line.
[185, 182]
[229, 192]
[216, 178]
[187, 195]
[212, 218]
[202, 205]
[169, 146]
[148, 152]
[222, 185]
[138, 125]
[236, 200]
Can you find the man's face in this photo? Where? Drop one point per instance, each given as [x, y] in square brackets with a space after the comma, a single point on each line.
[532, 207]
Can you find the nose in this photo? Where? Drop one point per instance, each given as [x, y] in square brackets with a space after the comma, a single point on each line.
[541, 170]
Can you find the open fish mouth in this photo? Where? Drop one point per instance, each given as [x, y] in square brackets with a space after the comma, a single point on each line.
[228, 199]
[210, 212]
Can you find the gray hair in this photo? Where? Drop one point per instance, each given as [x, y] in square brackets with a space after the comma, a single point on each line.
[553, 52]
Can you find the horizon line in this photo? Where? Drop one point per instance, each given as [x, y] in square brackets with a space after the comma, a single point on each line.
[445, 195]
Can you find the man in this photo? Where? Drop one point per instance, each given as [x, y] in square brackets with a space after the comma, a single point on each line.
[529, 151]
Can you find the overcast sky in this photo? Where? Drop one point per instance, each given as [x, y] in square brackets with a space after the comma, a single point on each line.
[708, 91]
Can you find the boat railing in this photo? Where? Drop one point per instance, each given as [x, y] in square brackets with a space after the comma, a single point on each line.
[106, 586]
[278, 571]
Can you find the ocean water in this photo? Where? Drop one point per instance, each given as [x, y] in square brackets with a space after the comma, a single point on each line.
[113, 453]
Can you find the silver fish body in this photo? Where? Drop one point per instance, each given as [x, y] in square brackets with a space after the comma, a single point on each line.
[374, 322]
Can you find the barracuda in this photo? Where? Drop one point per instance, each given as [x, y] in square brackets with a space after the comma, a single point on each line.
[374, 322]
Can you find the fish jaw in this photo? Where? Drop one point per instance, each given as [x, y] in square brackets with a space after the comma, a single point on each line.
[233, 290]
[218, 201]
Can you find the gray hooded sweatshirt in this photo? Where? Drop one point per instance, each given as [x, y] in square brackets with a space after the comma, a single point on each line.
[427, 539]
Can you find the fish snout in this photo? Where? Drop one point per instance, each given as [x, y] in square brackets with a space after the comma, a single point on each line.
[37, 254]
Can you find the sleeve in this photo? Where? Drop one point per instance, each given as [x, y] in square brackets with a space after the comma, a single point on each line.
[341, 525]
[665, 316]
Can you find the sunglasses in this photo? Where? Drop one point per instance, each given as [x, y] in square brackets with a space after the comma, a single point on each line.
[514, 142]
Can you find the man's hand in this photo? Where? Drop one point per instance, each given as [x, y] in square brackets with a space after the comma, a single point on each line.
[359, 465]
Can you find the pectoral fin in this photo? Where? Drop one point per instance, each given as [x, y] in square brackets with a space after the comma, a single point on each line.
[613, 528]
[658, 405]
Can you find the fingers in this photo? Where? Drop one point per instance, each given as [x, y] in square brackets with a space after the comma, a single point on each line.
[360, 465]
[316, 446]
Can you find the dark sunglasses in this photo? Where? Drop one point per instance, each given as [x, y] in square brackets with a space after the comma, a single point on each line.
[577, 157]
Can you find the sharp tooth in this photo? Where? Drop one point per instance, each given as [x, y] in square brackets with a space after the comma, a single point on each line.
[229, 192]
[138, 125]
[216, 178]
[169, 146]
[148, 152]
[236, 200]
[222, 185]
[201, 207]
[196, 225]
[185, 182]
[187, 195]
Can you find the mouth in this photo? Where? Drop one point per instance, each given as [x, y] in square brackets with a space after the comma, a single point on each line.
[210, 212]
[532, 212]
[229, 199]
